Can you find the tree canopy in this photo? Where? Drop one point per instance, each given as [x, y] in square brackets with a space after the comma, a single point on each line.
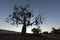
[22, 15]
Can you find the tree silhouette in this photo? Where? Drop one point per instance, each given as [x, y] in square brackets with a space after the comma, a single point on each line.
[55, 31]
[45, 32]
[22, 15]
[36, 30]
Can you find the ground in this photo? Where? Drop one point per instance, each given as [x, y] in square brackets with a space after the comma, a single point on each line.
[26, 37]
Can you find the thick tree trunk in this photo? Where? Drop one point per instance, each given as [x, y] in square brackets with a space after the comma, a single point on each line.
[24, 30]
[24, 26]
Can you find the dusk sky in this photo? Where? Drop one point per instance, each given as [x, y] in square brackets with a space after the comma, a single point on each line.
[49, 7]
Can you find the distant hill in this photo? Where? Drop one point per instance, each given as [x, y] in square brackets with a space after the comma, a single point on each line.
[2, 31]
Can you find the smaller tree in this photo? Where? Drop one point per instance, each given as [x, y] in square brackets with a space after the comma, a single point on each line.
[36, 30]
[46, 32]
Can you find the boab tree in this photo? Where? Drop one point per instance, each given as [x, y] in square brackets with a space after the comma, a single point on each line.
[22, 15]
